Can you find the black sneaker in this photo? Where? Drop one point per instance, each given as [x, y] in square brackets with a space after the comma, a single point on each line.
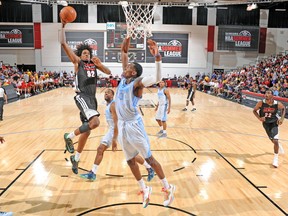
[184, 109]
[68, 143]
[194, 109]
[74, 164]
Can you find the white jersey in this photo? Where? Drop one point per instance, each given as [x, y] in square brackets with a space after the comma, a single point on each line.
[162, 99]
[126, 102]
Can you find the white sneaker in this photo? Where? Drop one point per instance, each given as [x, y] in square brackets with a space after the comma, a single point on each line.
[146, 195]
[168, 195]
[281, 149]
[6, 213]
[275, 162]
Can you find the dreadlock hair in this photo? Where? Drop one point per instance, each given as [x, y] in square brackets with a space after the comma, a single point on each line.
[82, 47]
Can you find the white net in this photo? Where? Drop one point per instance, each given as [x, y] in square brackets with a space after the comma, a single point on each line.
[138, 18]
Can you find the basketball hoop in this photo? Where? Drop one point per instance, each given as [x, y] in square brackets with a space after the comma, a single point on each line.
[138, 18]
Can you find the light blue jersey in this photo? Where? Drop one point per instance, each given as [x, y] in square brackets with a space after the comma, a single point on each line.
[132, 136]
[107, 139]
[109, 118]
[162, 99]
[161, 113]
[126, 102]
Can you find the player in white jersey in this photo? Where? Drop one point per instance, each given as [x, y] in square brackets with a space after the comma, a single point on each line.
[111, 139]
[133, 137]
[162, 108]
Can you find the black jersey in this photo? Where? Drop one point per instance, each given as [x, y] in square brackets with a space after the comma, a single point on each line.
[269, 112]
[86, 78]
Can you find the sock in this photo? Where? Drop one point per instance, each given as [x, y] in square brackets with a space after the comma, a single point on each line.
[71, 135]
[275, 155]
[146, 165]
[77, 156]
[165, 183]
[142, 184]
[161, 128]
[94, 168]
[186, 107]
[164, 131]
[193, 107]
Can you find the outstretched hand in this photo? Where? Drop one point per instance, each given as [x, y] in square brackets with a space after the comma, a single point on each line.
[125, 45]
[153, 48]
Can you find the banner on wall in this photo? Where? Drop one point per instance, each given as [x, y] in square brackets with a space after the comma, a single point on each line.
[94, 39]
[250, 99]
[16, 36]
[172, 47]
[238, 38]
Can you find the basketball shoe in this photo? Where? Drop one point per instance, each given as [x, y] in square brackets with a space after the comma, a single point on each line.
[146, 195]
[90, 176]
[194, 109]
[185, 109]
[151, 174]
[68, 143]
[6, 213]
[74, 164]
[159, 133]
[163, 135]
[168, 195]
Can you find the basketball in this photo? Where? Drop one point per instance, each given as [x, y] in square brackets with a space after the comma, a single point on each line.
[68, 14]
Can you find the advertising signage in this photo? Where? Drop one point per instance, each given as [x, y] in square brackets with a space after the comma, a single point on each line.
[94, 39]
[16, 36]
[238, 38]
[172, 47]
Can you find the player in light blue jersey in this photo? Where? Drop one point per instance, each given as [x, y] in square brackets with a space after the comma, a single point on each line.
[133, 137]
[111, 139]
[162, 108]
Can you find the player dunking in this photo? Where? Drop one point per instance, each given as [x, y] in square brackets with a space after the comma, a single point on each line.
[162, 108]
[111, 139]
[268, 115]
[192, 86]
[133, 138]
[85, 67]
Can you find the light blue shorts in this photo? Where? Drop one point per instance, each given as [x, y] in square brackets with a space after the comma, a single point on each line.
[133, 139]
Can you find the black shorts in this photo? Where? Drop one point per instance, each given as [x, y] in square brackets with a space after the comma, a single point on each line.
[87, 106]
[271, 130]
[190, 96]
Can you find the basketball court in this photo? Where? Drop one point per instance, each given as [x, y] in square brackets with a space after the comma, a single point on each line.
[218, 157]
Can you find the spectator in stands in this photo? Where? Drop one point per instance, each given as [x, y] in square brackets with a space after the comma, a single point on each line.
[3, 99]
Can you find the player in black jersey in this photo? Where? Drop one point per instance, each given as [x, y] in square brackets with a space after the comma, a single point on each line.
[268, 115]
[192, 86]
[85, 67]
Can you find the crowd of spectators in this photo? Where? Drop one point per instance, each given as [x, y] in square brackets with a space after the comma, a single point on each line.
[28, 83]
[270, 73]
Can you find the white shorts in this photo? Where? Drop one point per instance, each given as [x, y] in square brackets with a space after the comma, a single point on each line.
[161, 113]
[133, 139]
[107, 139]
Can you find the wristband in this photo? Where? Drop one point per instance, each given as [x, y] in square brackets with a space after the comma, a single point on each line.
[157, 55]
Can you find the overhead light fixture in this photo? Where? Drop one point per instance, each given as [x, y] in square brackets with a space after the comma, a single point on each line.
[63, 3]
[251, 7]
[192, 5]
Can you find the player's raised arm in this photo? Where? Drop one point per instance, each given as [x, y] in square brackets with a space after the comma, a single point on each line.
[100, 65]
[124, 52]
[69, 52]
[148, 81]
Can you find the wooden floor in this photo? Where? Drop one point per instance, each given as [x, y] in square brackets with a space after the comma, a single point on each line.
[219, 157]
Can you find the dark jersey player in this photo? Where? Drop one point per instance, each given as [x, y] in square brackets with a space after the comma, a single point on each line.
[85, 67]
[268, 115]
